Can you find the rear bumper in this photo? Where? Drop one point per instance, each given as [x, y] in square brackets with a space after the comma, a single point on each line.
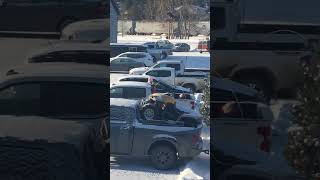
[195, 150]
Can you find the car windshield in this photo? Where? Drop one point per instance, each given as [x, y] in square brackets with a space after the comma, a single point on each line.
[164, 84]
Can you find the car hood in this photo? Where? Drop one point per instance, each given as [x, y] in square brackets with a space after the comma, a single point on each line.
[139, 70]
[32, 128]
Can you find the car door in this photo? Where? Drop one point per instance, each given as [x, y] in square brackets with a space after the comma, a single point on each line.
[115, 65]
[121, 132]
[165, 75]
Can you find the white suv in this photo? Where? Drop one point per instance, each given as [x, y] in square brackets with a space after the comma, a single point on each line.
[143, 57]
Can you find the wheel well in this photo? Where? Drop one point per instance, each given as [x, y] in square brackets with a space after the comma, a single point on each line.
[62, 20]
[161, 142]
[260, 73]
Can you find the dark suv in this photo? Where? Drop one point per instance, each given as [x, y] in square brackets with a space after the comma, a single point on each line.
[47, 15]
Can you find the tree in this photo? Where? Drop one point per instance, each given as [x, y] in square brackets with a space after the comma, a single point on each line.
[205, 107]
[303, 149]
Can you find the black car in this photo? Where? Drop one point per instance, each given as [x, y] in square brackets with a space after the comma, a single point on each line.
[54, 122]
[119, 48]
[84, 53]
[181, 47]
[49, 15]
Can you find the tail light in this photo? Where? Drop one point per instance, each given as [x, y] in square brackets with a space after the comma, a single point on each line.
[265, 132]
[192, 104]
[195, 138]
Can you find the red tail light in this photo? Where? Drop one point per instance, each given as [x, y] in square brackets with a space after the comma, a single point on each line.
[195, 138]
[192, 104]
[266, 133]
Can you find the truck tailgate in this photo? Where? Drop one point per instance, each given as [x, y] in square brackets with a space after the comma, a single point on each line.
[249, 135]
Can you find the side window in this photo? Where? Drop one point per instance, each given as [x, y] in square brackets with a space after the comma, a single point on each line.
[175, 66]
[116, 61]
[159, 73]
[153, 73]
[116, 93]
[21, 99]
[164, 73]
[134, 93]
[63, 99]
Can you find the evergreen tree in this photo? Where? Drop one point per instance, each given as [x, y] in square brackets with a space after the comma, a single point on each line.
[303, 149]
[205, 107]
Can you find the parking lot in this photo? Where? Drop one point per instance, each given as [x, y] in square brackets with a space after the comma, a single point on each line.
[132, 168]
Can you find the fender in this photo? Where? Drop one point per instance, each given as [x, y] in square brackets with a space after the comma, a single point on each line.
[163, 138]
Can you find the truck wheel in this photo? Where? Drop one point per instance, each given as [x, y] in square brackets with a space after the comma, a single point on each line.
[163, 157]
[190, 87]
[257, 84]
[148, 112]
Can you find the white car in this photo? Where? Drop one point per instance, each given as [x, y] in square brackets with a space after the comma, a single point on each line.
[93, 31]
[130, 90]
[143, 57]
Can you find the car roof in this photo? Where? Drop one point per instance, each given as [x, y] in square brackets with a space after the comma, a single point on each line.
[101, 23]
[225, 84]
[57, 71]
[162, 68]
[131, 84]
[114, 58]
[124, 102]
[134, 53]
[135, 76]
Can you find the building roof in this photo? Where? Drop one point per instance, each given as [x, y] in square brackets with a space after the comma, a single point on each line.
[114, 4]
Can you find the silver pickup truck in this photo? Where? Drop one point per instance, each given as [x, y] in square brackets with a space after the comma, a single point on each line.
[165, 142]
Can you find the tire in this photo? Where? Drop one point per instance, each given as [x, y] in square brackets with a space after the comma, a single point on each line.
[264, 89]
[190, 86]
[163, 157]
[148, 112]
